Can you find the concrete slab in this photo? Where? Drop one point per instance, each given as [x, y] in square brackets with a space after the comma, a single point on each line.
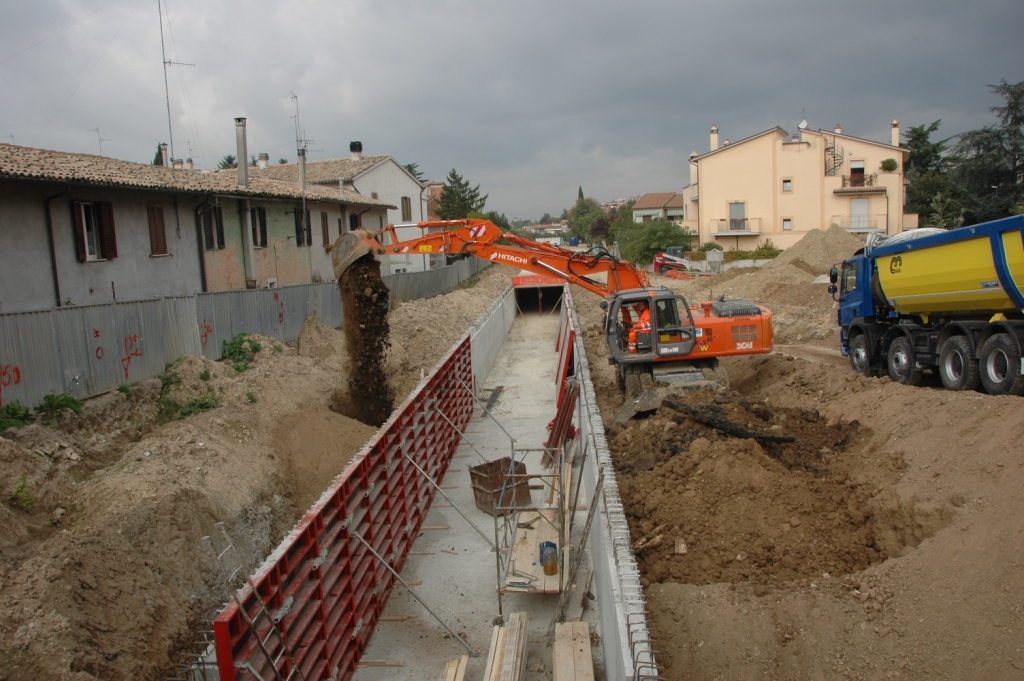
[457, 566]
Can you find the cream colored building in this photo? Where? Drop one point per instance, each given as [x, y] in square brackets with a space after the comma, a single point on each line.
[779, 186]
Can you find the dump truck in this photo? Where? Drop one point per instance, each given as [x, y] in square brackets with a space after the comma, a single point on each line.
[933, 301]
[676, 345]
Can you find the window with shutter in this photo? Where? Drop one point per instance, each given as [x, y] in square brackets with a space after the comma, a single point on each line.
[258, 222]
[94, 230]
[406, 209]
[213, 228]
[157, 231]
[325, 229]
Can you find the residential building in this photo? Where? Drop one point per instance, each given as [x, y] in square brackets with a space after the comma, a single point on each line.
[778, 186]
[380, 177]
[660, 206]
[81, 229]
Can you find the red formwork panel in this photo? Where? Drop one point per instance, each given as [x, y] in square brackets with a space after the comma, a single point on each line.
[324, 588]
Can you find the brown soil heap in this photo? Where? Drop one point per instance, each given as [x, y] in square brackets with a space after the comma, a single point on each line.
[364, 301]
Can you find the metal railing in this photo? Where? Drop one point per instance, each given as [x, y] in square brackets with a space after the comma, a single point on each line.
[737, 226]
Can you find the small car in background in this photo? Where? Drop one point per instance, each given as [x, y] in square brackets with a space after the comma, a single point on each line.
[672, 258]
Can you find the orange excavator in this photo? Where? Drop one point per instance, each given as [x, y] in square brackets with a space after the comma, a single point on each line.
[683, 343]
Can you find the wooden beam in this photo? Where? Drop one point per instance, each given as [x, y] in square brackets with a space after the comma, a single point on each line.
[572, 659]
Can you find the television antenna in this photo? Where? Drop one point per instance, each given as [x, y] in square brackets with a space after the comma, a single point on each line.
[167, 91]
[301, 143]
[100, 139]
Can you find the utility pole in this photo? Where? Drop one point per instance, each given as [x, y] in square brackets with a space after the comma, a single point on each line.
[167, 91]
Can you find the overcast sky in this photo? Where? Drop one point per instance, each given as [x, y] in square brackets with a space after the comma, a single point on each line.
[530, 99]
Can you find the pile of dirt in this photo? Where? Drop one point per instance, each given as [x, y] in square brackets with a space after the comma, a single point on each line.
[792, 286]
[101, 571]
[365, 300]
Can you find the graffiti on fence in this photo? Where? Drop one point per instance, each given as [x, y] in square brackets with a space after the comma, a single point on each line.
[205, 329]
[131, 349]
[99, 348]
[9, 375]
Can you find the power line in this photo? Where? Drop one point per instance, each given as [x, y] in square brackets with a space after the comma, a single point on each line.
[88, 71]
[54, 35]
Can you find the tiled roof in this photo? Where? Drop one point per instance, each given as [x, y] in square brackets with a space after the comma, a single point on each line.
[27, 163]
[319, 172]
[658, 200]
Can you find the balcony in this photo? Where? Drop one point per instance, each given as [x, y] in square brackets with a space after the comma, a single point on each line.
[860, 184]
[862, 224]
[735, 227]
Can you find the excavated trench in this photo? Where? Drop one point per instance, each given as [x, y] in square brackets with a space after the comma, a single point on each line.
[721, 487]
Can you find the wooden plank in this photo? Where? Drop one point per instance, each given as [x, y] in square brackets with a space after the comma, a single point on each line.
[455, 670]
[460, 671]
[513, 660]
[526, 553]
[572, 658]
[497, 651]
[381, 663]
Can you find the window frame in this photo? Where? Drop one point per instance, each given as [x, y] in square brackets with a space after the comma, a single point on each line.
[258, 225]
[325, 228]
[406, 209]
[787, 224]
[213, 228]
[157, 230]
[100, 224]
[303, 232]
[787, 185]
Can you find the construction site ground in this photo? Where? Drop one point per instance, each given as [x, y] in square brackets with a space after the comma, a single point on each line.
[858, 529]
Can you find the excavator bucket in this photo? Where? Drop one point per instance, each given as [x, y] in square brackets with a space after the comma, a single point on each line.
[668, 385]
[349, 248]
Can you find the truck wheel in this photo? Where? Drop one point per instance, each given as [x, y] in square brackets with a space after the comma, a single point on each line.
[860, 355]
[902, 365]
[659, 270]
[999, 363]
[958, 368]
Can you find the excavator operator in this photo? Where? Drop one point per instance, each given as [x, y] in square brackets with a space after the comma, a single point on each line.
[642, 325]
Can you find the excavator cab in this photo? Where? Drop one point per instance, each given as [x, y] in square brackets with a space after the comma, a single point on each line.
[672, 334]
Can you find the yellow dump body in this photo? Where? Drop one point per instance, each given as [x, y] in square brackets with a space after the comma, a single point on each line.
[975, 271]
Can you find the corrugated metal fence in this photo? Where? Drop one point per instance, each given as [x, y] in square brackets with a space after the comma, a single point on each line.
[85, 351]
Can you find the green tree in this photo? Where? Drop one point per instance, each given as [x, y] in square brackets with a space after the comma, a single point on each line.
[546, 219]
[645, 240]
[926, 169]
[458, 199]
[623, 222]
[494, 216]
[414, 170]
[229, 161]
[581, 193]
[158, 158]
[582, 218]
[945, 212]
[989, 162]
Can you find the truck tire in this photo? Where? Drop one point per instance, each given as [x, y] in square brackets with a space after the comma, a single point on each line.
[860, 355]
[958, 368]
[999, 365]
[902, 365]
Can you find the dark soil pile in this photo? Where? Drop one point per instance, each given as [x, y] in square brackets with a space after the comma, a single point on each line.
[718, 489]
[365, 303]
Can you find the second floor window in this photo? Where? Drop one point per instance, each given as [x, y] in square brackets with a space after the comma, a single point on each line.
[325, 229]
[94, 230]
[157, 230]
[787, 185]
[406, 209]
[303, 229]
[213, 228]
[258, 223]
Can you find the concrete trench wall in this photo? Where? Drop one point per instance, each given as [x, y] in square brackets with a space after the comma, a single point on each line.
[327, 589]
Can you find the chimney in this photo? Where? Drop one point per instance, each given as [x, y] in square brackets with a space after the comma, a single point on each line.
[178, 164]
[243, 153]
[302, 168]
[895, 133]
[163, 154]
[188, 164]
[714, 137]
[264, 161]
[693, 167]
[356, 149]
